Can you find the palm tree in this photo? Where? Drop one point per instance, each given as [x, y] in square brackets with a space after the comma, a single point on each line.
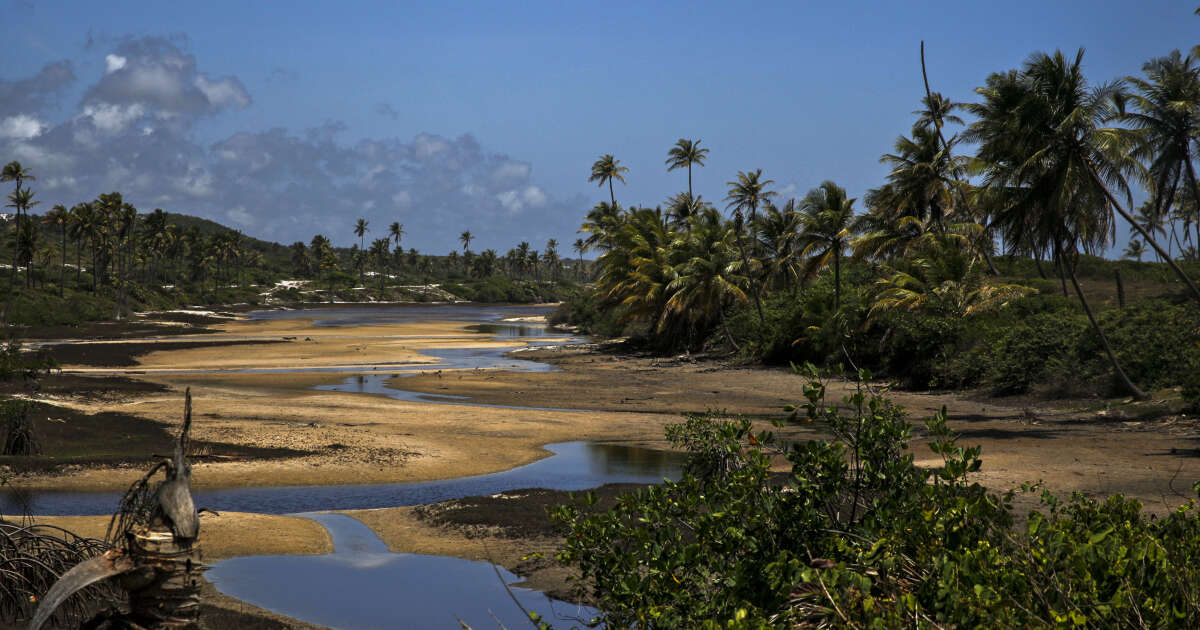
[710, 277]
[14, 172]
[683, 206]
[380, 255]
[1041, 145]
[601, 224]
[60, 216]
[826, 228]
[943, 277]
[360, 230]
[745, 195]
[1135, 249]
[396, 231]
[605, 170]
[1166, 125]
[685, 153]
[579, 248]
[778, 235]
[466, 237]
[919, 184]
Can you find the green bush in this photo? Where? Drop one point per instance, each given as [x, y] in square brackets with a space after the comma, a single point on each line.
[857, 535]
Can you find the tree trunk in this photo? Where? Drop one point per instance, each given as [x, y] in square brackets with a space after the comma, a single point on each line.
[962, 198]
[1120, 288]
[837, 280]
[1037, 260]
[725, 328]
[762, 320]
[164, 591]
[1137, 393]
[1149, 239]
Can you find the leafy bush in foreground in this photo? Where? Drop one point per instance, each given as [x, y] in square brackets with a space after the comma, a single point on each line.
[856, 535]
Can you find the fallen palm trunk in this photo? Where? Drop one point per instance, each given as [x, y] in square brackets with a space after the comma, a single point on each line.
[156, 558]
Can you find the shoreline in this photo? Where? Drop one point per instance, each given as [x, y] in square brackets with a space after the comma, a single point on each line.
[631, 397]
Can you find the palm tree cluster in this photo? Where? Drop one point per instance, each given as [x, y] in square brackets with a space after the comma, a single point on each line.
[1055, 161]
[115, 246]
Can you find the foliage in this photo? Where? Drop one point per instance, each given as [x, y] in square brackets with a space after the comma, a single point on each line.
[857, 535]
[17, 420]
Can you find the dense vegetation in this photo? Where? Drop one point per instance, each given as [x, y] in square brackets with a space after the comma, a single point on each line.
[856, 535]
[102, 259]
[949, 275]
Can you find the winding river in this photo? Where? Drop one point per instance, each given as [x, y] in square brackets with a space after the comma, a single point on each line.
[361, 584]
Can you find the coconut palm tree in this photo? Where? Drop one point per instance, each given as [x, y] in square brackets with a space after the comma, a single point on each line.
[778, 233]
[709, 278]
[827, 226]
[360, 230]
[1135, 249]
[1166, 124]
[943, 277]
[746, 194]
[396, 232]
[683, 206]
[920, 180]
[605, 170]
[685, 153]
[579, 248]
[465, 238]
[1041, 144]
[60, 216]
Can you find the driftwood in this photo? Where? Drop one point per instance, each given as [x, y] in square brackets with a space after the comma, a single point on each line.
[155, 557]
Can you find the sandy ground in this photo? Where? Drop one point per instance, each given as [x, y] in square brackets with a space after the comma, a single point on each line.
[356, 438]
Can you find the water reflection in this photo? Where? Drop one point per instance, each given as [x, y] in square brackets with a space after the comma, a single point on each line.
[363, 585]
[574, 466]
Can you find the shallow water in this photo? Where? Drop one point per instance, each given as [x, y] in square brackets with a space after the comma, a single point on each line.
[574, 466]
[363, 585]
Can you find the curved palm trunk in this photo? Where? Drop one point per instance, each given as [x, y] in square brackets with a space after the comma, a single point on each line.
[1138, 394]
[612, 198]
[1146, 235]
[1195, 195]
[962, 198]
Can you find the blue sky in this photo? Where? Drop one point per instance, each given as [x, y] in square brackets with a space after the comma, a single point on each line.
[487, 116]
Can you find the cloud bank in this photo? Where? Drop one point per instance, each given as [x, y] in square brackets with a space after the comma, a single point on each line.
[133, 131]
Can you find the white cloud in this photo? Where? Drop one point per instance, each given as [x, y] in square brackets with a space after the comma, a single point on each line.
[510, 170]
[114, 63]
[222, 92]
[241, 216]
[21, 127]
[402, 199]
[534, 197]
[112, 118]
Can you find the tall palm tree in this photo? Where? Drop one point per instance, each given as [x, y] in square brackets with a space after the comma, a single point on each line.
[1167, 125]
[14, 172]
[60, 216]
[1041, 144]
[827, 226]
[466, 237]
[685, 153]
[746, 193]
[396, 232]
[579, 248]
[360, 230]
[605, 170]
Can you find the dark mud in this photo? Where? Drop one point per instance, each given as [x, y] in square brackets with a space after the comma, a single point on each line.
[126, 354]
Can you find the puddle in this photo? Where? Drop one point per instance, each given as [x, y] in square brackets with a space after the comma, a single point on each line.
[574, 466]
[363, 585]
